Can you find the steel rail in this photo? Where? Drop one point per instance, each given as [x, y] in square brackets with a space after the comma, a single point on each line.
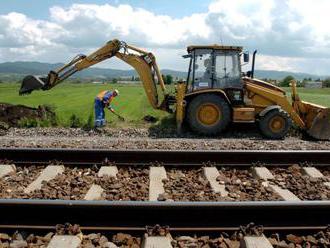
[167, 157]
[108, 215]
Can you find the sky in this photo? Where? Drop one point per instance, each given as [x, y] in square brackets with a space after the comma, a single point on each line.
[290, 35]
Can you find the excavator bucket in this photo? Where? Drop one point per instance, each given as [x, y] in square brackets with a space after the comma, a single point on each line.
[31, 83]
[320, 128]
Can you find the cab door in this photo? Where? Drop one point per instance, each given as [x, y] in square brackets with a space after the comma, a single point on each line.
[202, 69]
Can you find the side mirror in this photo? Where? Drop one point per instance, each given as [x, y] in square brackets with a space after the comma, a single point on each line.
[186, 56]
[246, 57]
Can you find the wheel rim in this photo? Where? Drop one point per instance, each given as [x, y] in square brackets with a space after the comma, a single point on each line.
[208, 114]
[277, 124]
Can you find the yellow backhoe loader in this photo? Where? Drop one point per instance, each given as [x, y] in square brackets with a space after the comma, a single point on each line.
[215, 94]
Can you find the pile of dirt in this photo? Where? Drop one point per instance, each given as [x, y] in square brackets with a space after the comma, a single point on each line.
[12, 115]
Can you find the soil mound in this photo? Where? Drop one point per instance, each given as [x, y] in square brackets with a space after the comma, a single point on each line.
[13, 114]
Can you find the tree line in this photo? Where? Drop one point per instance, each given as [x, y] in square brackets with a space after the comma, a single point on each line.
[285, 82]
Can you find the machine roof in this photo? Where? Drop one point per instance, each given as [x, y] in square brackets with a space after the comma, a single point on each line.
[215, 46]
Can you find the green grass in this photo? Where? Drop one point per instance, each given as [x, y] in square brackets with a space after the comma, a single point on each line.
[78, 99]
[318, 96]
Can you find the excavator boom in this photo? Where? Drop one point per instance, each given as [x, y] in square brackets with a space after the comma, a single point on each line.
[142, 61]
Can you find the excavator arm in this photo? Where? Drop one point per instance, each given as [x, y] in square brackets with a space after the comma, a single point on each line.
[142, 61]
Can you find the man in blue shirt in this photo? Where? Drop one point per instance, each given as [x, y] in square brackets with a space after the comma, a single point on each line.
[103, 100]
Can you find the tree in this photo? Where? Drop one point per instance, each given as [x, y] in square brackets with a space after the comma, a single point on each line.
[326, 83]
[168, 79]
[114, 80]
[286, 81]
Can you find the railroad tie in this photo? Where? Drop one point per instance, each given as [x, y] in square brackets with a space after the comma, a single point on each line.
[95, 191]
[314, 173]
[64, 241]
[156, 186]
[6, 169]
[211, 174]
[255, 242]
[49, 173]
[110, 171]
[264, 174]
[156, 242]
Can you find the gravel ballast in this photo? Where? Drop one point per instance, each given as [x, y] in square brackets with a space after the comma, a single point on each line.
[242, 186]
[303, 186]
[143, 138]
[188, 185]
[23, 239]
[191, 185]
[13, 185]
[131, 184]
[182, 184]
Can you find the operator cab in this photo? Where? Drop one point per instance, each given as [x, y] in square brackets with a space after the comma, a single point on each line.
[216, 67]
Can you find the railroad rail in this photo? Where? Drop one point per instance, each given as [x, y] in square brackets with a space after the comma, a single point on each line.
[179, 216]
[191, 158]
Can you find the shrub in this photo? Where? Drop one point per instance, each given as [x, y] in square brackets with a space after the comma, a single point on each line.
[75, 121]
[28, 123]
[326, 83]
[90, 122]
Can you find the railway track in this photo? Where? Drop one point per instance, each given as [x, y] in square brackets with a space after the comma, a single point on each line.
[221, 179]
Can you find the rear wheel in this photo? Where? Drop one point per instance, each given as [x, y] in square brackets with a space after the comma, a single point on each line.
[208, 114]
[275, 124]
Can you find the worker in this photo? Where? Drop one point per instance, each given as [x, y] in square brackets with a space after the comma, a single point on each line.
[103, 100]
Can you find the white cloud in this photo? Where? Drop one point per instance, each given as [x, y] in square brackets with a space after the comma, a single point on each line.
[138, 25]
[290, 35]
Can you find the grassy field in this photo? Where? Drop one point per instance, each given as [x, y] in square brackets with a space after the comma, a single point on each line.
[318, 96]
[132, 103]
[78, 99]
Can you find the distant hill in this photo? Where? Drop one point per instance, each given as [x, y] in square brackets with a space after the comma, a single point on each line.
[282, 74]
[11, 71]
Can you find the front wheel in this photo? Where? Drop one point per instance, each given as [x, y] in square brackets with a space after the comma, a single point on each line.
[208, 114]
[275, 124]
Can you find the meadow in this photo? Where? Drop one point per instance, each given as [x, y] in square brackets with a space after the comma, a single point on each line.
[318, 96]
[78, 99]
[68, 99]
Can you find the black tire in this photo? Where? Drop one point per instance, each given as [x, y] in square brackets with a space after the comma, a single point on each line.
[219, 121]
[268, 127]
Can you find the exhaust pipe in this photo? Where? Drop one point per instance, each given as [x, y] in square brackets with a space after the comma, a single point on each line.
[253, 63]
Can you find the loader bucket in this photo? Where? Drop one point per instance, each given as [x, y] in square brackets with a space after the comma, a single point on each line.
[31, 83]
[320, 126]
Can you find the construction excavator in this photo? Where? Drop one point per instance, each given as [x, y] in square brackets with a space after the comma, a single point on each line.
[215, 94]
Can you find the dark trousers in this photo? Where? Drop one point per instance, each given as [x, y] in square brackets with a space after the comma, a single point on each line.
[99, 113]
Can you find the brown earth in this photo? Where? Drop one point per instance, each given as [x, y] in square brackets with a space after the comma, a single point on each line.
[11, 114]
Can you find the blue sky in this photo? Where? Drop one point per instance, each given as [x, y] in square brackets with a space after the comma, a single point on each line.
[40, 8]
[290, 35]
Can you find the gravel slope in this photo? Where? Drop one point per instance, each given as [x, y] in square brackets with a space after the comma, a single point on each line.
[142, 138]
